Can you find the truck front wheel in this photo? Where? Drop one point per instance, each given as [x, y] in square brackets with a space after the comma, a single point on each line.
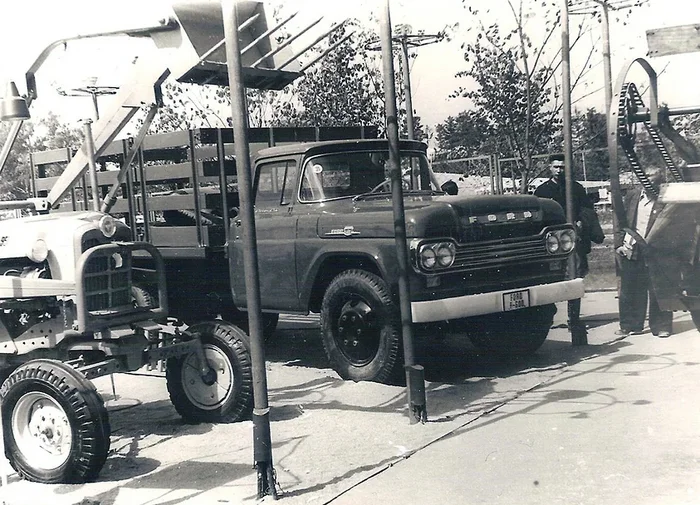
[55, 424]
[516, 332]
[225, 394]
[360, 327]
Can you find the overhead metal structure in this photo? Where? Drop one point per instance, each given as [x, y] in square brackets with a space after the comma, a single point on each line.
[191, 49]
[204, 42]
[673, 244]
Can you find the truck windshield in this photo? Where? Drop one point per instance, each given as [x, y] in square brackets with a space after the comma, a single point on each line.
[349, 174]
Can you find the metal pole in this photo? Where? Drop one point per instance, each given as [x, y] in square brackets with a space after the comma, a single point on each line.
[566, 96]
[407, 90]
[262, 441]
[415, 381]
[607, 73]
[93, 93]
[90, 152]
[577, 337]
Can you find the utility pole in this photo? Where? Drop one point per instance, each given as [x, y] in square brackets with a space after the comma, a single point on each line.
[605, 6]
[405, 39]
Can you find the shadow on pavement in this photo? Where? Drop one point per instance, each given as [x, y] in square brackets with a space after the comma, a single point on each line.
[196, 477]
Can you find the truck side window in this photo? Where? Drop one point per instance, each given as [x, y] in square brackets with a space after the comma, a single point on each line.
[275, 183]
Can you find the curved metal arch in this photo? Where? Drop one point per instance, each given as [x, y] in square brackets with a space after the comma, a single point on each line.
[620, 220]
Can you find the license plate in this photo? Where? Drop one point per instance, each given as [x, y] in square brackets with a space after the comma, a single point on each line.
[516, 300]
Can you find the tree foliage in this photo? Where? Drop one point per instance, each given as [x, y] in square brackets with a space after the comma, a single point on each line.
[511, 83]
[48, 133]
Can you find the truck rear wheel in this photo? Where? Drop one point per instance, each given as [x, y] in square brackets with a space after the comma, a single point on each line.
[360, 327]
[226, 395]
[517, 332]
[55, 424]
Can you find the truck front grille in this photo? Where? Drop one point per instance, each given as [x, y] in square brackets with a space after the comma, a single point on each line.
[489, 254]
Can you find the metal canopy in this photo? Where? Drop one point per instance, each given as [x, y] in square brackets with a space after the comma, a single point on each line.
[202, 25]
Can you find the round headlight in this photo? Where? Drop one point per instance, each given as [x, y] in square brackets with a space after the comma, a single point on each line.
[567, 241]
[428, 257]
[108, 226]
[39, 251]
[552, 243]
[445, 254]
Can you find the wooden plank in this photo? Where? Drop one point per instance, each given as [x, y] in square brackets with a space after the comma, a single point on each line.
[177, 236]
[167, 140]
[673, 40]
[107, 178]
[169, 172]
[171, 202]
[53, 156]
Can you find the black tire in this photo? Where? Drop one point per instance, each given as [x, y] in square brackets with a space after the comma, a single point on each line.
[518, 332]
[360, 328]
[40, 395]
[229, 398]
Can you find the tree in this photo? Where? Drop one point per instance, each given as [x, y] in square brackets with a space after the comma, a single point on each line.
[343, 89]
[48, 133]
[589, 132]
[463, 136]
[513, 78]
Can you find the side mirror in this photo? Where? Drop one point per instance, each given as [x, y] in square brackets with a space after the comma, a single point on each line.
[450, 187]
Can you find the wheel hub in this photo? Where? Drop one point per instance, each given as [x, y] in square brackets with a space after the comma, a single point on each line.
[210, 391]
[357, 333]
[42, 430]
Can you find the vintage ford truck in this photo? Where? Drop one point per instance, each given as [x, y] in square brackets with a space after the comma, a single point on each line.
[492, 267]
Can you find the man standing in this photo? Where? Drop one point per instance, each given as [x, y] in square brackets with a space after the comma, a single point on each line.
[555, 189]
[635, 288]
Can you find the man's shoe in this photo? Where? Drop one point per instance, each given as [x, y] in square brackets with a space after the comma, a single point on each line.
[624, 332]
[663, 334]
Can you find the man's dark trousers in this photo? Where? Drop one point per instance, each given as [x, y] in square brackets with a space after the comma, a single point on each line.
[634, 293]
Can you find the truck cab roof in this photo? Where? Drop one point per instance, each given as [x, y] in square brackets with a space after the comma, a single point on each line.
[331, 146]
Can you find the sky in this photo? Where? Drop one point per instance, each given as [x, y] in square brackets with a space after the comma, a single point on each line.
[27, 27]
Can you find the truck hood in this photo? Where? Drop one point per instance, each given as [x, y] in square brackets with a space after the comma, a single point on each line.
[463, 218]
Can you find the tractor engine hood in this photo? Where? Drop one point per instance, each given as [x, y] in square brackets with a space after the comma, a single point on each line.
[463, 218]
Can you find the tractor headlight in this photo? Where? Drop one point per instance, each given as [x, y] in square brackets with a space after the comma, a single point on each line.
[108, 226]
[39, 251]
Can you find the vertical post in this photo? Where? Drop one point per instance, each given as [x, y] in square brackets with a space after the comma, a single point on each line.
[90, 152]
[415, 381]
[607, 73]
[491, 174]
[407, 90]
[577, 337]
[566, 96]
[262, 441]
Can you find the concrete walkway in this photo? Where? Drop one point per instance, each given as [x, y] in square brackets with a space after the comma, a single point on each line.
[614, 422]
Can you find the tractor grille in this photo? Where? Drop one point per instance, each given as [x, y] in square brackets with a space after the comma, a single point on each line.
[107, 278]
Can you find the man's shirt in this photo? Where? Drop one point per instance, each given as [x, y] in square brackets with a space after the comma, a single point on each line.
[644, 208]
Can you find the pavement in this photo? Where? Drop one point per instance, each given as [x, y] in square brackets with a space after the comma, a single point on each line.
[616, 421]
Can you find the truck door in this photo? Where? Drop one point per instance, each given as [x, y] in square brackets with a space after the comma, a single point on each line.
[275, 225]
